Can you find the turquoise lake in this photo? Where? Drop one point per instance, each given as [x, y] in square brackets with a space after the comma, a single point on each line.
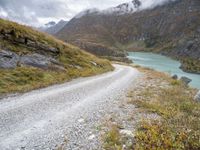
[163, 64]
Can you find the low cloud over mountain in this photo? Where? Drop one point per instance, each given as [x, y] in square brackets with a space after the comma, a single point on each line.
[37, 12]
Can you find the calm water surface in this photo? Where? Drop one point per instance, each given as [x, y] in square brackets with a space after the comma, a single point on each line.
[163, 64]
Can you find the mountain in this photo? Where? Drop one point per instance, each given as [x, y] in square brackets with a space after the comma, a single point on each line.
[57, 27]
[50, 24]
[30, 59]
[46, 26]
[125, 8]
[53, 27]
[171, 28]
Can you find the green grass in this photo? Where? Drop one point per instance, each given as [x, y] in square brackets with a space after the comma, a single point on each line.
[77, 62]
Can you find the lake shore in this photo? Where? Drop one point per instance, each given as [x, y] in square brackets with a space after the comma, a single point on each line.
[163, 64]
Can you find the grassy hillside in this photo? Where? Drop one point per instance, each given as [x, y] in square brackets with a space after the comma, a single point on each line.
[23, 41]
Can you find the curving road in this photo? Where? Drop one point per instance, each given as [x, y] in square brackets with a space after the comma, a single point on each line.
[42, 119]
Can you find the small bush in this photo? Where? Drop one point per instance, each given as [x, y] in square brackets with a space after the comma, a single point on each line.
[113, 140]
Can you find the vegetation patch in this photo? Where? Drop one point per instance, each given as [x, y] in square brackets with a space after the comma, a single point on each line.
[23, 79]
[190, 65]
[178, 125]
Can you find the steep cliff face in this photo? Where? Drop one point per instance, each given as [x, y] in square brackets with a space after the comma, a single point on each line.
[172, 29]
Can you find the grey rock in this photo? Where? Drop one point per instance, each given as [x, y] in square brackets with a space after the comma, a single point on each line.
[93, 63]
[81, 120]
[20, 40]
[35, 60]
[185, 80]
[41, 61]
[8, 36]
[127, 133]
[47, 48]
[175, 77]
[31, 43]
[78, 67]
[197, 96]
[91, 137]
[54, 50]
[190, 44]
[8, 59]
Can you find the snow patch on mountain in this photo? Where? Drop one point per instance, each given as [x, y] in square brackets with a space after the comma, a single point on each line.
[125, 8]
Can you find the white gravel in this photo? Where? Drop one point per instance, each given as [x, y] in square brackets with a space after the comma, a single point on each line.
[43, 119]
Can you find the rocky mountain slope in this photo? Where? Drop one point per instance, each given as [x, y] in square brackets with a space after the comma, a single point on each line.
[30, 59]
[172, 28]
[52, 27]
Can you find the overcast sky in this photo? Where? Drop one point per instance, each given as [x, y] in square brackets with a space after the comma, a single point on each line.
[39, 12]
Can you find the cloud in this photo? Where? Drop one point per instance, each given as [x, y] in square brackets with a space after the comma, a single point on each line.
[152, 3]
[38, 12]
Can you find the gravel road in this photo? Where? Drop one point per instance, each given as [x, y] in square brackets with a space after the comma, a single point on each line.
[45, 118]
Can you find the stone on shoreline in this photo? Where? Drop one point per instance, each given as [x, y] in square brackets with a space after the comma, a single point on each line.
[197, 97]
[175, 77]
[185, 80]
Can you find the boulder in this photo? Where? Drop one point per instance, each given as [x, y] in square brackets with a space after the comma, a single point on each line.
[175, 77]
[93, 63]
[47, 48]
[185, 80]
[197, 96]
[8, 59]
[127, 133]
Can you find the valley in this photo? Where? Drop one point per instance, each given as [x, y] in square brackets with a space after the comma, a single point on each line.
[171, 29]
[122, 76]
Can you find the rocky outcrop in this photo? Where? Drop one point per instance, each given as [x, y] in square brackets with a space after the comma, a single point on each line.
[42, 48]
[38, 54]
[40, 61]
[10, 60]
